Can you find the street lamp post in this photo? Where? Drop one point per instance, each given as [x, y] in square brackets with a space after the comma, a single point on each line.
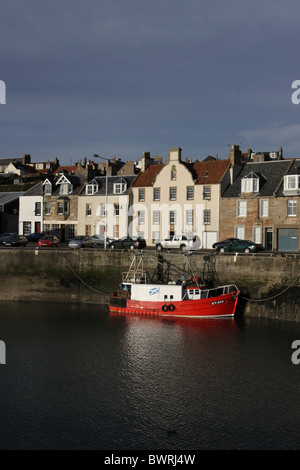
[106, 180]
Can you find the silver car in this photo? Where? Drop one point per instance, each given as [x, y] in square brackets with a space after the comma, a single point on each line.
[81, 241]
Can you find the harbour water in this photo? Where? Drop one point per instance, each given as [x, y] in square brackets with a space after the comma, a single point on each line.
[77, 377]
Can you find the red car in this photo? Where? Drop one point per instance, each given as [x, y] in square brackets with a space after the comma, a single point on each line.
[48, 240]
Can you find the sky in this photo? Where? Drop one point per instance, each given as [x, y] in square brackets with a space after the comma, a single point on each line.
[121, 77]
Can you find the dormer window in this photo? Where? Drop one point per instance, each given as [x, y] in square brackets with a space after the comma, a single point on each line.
[250, 184]
[291, 185]
[120, 187]
[91, 188]
[65, 186]
[47, 189]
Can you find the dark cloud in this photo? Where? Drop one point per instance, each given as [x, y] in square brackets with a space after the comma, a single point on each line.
[122, 77]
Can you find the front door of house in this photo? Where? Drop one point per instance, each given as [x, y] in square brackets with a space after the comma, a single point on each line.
[269, 238]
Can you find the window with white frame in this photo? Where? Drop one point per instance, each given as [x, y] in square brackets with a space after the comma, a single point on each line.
[189, 217]
[47, 189]
[88, 208]
[257, 234]
[172, 217]
[47, 208]
[63, 207]
[38, 208]
[264, 208]
[26, 228]
[206, 216]
[116, 209]
[239, 232]
[190, 192]
[120, 187]
[273, 155]
[155, 218]
[91, 189]
[291, 184]
[141, 194]
[65, 188]
[60, 207]
[173, 173]
[241, 208]
[292, 208]
[250, 184]
[141, 217]
[102, 210]
[206, 192]
[173, 194]
[156, 194]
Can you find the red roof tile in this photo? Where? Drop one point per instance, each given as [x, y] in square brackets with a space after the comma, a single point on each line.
[210, 172]
[147, 178]
[69, 169]
[206, 172]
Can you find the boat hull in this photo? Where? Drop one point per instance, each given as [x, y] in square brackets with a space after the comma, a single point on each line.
[214, 307]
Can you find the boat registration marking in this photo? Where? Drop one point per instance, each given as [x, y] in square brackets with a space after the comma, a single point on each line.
[218, 302]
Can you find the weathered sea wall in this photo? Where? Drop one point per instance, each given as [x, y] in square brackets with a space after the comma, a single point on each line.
[269, 284]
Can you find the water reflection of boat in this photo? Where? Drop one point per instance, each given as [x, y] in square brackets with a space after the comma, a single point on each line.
[203, 324]
[186, 296]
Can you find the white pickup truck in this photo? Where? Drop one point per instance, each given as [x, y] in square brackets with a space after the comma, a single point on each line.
[179, 242]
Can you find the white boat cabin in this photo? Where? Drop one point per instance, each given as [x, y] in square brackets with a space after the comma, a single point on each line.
[156, 292]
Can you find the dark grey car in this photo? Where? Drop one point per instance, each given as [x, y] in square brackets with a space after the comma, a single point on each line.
[15, 240]
[6, 236]
[128, 243]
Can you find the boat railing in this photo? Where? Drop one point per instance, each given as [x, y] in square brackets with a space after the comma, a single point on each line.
[136, 277]
[212, 292]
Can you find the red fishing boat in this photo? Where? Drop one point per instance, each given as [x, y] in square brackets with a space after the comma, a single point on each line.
[164, 295]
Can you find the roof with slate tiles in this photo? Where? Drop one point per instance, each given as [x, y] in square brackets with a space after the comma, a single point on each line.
[270, 173]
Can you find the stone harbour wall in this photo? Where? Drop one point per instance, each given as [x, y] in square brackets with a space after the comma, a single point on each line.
[269, 284]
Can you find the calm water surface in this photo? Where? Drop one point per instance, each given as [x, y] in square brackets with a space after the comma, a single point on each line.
[78, 378]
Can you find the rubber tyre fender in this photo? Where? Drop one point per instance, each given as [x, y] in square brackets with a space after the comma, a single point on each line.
[171, 307]
[165, 308]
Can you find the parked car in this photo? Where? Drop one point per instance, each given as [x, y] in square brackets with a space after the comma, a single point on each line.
[6, 236]
[99, 240]
[128, 242]
[15, 240]
[227, 240]
[34, 237]
[239, 246]
[179, 242]
[48, 240]
[81, 241]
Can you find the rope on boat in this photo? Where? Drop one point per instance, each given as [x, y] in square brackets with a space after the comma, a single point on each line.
[273, 297]
[80, 279]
